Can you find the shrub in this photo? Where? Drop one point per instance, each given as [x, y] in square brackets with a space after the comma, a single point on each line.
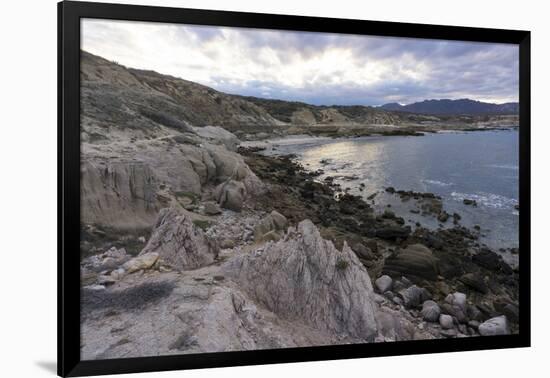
[202, 224]
[341, 264]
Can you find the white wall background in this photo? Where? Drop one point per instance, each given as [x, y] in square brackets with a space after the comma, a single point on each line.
[28, 186]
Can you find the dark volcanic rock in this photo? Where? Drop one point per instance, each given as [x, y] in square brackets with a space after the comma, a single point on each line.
[474, 281]
[443, 216]
[491, 261]
[416, 261]
[471, 202]
[511, 310]
[363, 252]
[393, 232]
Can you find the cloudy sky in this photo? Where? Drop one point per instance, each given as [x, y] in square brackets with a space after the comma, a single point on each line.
[317, 68]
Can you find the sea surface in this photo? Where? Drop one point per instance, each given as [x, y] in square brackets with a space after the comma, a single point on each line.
[479, 165]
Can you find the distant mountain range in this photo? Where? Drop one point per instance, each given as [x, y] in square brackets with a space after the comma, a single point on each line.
[454, 107]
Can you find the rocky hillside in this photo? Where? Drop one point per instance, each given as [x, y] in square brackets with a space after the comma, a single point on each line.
[141, 152]
[141, 99]
[145, 99]
[149, 103]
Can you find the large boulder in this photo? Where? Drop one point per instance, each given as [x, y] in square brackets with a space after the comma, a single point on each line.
[231, 195]
[430, 311]
[271, 227]
[123, 186]
[456, 306]
[393, 232]
[393, 325]
[363, 252]
[279, 220]
[304, 277]
[218, 135]
[141, 262]
[446, 321]
[120, 194]
[384, 283]
[494, 326]
[179, 243]
[475, 282]
[414, 296]
[211, 208]
[491, 261]
[416, 261]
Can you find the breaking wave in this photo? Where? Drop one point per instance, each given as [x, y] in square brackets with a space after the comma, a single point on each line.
[491, 200]
[437, 183]
[504, 166]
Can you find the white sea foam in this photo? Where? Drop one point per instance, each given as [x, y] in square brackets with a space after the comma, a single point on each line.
[438, 183]
[504, 166]
[491, 200]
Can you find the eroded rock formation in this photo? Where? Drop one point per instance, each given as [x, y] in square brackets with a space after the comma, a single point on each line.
[179, 243]
[305, 277]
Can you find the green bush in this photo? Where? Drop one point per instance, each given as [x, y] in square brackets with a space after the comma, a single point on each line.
[342, 264]
[202, 224]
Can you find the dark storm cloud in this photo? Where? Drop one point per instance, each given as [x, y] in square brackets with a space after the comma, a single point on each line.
[315, 67]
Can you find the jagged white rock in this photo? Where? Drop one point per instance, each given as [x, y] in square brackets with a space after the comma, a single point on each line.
[179, 243]
[494, 326]
[305, 277]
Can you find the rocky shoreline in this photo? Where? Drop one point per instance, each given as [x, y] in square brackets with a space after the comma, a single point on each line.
[358, 131]
[443, 261]
[236, 257]
[190, 245]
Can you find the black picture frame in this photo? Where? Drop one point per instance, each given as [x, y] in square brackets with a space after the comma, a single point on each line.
[69, 15]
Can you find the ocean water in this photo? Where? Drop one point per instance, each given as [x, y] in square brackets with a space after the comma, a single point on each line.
[480, 165]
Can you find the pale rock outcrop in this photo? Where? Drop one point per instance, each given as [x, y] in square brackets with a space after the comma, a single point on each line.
[179, 243]
[231, 195]
[393, 326]
[271, 227]
[229, 165]
[446, 321]
[218, 135]
[494, 326]
[384, 283]
[179, 314]
[118, 193]
[430, 311]
[305, 277]
[124, 185]
[456, 305]
[211, 208]
[141, 262]
[303, 116]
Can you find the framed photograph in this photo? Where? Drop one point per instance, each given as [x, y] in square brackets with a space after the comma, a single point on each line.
[239, 188]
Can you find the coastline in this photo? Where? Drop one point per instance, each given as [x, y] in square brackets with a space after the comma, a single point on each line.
[426, 284]
[190, 244]
[360, 130]
[462, 260]
[330, 157]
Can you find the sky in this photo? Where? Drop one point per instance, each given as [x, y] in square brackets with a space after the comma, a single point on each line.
[316, 68]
